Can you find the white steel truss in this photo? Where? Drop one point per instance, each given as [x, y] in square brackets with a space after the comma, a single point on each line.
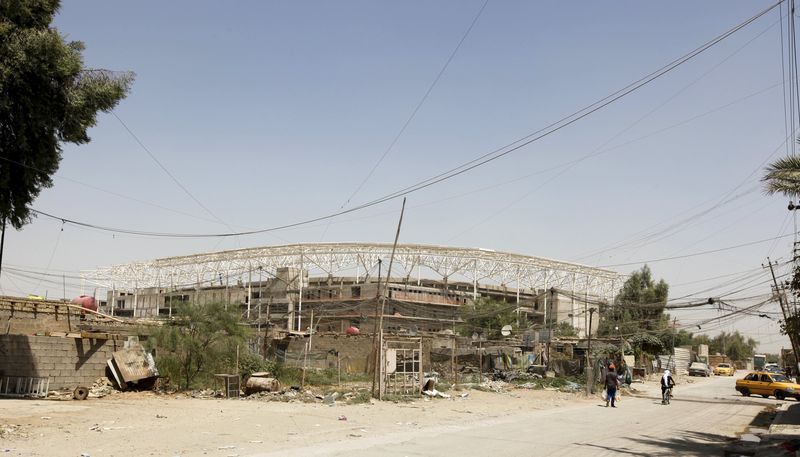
[478, 266]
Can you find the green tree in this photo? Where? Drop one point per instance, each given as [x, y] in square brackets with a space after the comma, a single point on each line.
[638, 313]
[564, 329]
[683, 338]
[47, 98]
[197, 342]
[487, 317]
[783, 177]
[734, 345]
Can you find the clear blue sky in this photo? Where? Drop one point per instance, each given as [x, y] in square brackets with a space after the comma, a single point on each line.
[275, 112]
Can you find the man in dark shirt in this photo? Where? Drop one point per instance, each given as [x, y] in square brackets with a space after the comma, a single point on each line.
[611, 385]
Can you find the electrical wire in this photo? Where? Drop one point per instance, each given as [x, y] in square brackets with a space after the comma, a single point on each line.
[695, 254]
[481, 160]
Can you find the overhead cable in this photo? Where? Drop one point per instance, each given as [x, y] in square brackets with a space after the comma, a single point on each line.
[479, 161]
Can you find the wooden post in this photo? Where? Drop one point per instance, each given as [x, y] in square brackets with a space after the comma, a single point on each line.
[453, 353]
[480, 361]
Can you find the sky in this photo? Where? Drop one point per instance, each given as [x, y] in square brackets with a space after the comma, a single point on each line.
[255, 114]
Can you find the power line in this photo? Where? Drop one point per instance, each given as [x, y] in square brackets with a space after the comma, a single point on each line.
[711, 251]
[479, 161]
[419, 104]
[414, 111]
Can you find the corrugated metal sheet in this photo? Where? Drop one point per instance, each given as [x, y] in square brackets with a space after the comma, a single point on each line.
[134, 364]
[678, 363]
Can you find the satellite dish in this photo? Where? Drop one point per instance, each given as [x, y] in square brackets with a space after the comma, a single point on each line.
[413, 330]
[474, 336]
[506, 330]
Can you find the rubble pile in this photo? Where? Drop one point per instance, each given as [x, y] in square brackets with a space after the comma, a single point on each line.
[9, 430]
[101, 388]
[296, 395]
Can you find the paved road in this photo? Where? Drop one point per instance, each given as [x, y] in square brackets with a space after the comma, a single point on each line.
[704, 414]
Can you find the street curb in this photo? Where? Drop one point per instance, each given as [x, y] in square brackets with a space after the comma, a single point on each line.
[776, 428]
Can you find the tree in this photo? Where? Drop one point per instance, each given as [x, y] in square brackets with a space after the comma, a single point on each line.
[487, 317]
[734, 345]
[638, 313]
[564, 329]
[198, 341]
[47, 98]
[783, 177]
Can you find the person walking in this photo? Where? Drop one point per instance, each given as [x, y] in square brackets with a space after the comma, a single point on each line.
[612, 382]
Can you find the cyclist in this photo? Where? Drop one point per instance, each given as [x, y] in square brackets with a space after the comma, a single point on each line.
[666, 387]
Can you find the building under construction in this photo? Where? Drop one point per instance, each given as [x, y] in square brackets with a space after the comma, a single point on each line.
[338, 284]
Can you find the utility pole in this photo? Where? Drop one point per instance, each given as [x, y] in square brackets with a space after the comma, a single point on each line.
[589, 366]
[2, 243]
[382, 300]
[672, 353]
[785, 310]
[549, 323]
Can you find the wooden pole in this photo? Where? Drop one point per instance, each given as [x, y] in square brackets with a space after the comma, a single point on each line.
[378, 352]
[453, 354]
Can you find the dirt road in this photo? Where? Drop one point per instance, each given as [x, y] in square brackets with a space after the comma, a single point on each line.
[703, 415]
[702, 418]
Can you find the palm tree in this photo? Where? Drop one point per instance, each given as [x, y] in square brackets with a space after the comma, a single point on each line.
[783, 177]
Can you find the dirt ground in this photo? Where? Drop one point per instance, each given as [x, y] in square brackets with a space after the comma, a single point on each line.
[146, 423]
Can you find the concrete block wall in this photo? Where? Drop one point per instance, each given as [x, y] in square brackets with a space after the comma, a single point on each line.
[355, 352]
[68, 362]
[32, 319]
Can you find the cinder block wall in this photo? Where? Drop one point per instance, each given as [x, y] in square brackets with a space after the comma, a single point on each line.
[37, 319]
[355, 352]
[69, 362]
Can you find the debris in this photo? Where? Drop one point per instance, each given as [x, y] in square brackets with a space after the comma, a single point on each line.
[159, 416]
[101, 388]
[80, 393]
[464, 395]
[434, 393]
[331, 398]
[133, 365]
[342, 418]
[261, 384]
[47, 418]
[226, 447]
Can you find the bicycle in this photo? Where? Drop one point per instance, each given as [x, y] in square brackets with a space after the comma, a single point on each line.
[666, 395]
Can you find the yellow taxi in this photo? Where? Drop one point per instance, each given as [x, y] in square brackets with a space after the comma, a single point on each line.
[724, 369]
[768, 384]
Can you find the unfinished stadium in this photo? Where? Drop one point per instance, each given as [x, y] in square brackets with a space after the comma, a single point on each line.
[338, 283]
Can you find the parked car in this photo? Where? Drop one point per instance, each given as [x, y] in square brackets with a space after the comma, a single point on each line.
[773, 368]
[768, 384]
[699, 369]
[724, 369]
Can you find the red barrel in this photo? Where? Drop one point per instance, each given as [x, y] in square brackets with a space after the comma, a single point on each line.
[352, 330]
[86, 302]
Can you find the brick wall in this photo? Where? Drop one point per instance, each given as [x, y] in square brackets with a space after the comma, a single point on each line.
[69, 362]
